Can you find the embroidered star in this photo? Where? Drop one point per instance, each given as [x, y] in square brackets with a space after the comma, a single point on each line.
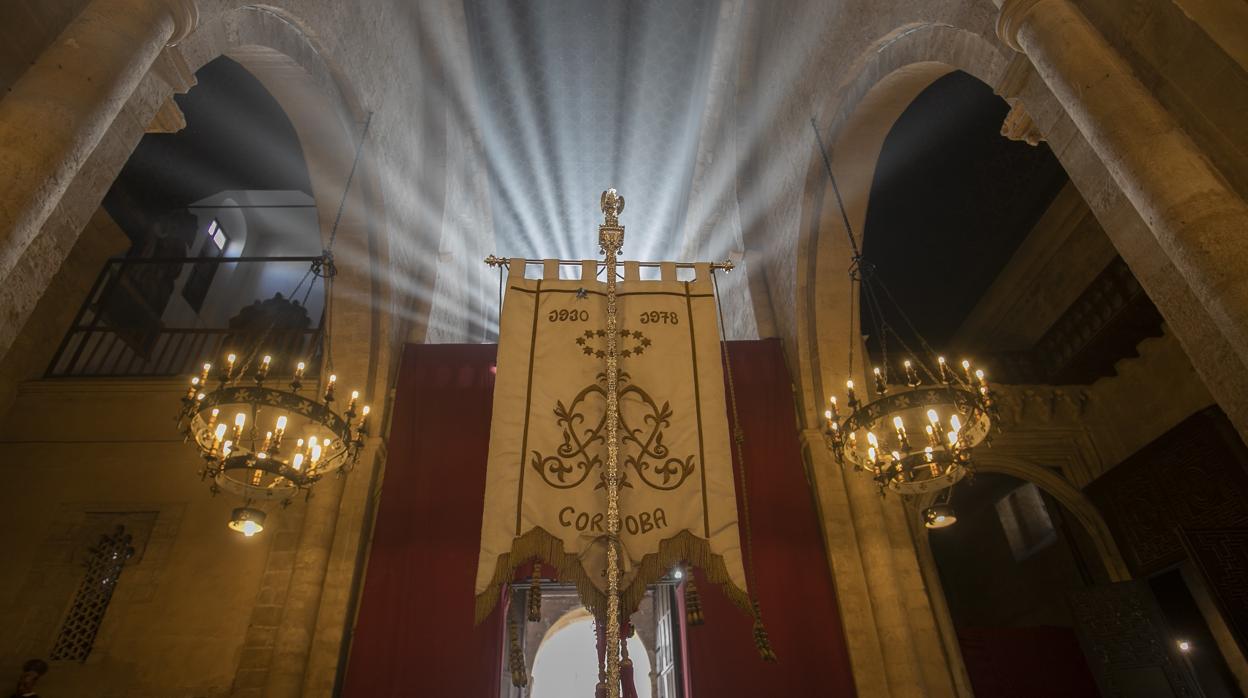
[580, 341]
[645, 342]
[589, 351]
[626, 353]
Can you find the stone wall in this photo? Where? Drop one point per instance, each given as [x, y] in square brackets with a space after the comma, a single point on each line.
[84, 451]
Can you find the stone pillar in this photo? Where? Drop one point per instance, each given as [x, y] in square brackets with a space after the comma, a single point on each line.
[1198, 221]
[883, 648]
[58, 111]
[905, 677]
[939, 604]
[303, 597]
[862, 639]
[937, 664]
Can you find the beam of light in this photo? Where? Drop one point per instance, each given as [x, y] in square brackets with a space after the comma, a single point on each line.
[576, 97]
[546, 103]
[566, 98]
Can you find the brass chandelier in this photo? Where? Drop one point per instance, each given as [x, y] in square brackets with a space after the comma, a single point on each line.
[914, 431]
[265, 438]
[916, 439]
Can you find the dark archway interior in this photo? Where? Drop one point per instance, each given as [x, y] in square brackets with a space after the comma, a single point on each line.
[950, 203]
[1008, 567]
[237, 137]
[985, 581]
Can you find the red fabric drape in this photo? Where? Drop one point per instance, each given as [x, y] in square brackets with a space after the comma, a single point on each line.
[1033, 662]
[414, 635]
[792, 580]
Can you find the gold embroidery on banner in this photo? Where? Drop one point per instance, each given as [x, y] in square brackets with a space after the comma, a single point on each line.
[640, 344]
[645, 451]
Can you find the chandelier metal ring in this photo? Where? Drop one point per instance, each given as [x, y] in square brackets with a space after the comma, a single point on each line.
[906, 457]
[236, 470]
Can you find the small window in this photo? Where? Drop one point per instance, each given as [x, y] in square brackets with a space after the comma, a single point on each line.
[200, 280]
[1025, 518]
[217, 235]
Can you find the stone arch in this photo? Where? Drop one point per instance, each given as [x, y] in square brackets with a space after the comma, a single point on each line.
[329, 119]
[643, 660]
[1066, 494]
[324, 112]
[858, 117]
[853, 122]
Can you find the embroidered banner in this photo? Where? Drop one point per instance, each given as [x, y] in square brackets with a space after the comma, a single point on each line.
[545, 493]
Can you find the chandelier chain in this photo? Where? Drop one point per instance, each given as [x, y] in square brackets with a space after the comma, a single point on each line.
[827, 165]
[333, 232]
[919, 439]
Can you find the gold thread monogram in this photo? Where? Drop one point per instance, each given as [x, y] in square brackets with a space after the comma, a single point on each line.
[646, 453]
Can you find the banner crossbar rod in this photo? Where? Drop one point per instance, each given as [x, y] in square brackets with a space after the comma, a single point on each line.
[493, 261]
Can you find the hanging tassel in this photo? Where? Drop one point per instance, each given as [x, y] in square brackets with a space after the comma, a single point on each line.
[629, 689]
[693, 604]
[515, 657]
[760, 636]
[535, 594]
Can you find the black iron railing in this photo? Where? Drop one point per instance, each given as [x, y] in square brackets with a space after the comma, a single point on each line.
[165, 316]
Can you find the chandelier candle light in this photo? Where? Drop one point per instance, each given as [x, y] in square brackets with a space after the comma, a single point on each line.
[918, 439]
[266, 442]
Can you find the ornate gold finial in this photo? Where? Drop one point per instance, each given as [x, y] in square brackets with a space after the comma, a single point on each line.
[612, 206]
[611, 233]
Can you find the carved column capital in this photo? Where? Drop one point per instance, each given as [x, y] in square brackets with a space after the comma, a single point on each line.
[1013, 14]
[185, 15]
[1018, 125]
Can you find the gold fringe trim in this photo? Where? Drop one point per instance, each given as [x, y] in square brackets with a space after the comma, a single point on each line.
[761, 641]
[536, 543]
[535, 594]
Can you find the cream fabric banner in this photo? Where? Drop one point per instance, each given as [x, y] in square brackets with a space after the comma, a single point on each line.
[545, 493]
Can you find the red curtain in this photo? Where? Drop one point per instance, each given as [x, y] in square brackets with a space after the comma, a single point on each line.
[414, 635]
[793, 582]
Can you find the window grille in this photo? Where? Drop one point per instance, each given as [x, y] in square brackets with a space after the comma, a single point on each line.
[104, 563]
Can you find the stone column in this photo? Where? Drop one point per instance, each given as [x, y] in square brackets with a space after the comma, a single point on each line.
[882, 645]
[56, 113]
[1198, 221]
[866, 656]
[904, 673]
[303, 596]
